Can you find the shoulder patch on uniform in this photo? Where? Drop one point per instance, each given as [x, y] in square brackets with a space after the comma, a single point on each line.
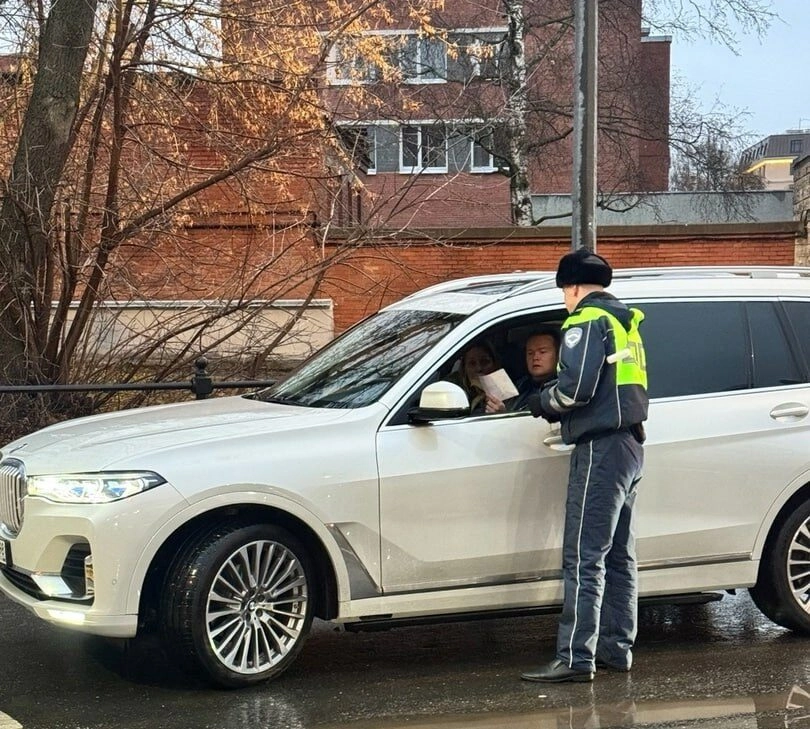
[572, 337]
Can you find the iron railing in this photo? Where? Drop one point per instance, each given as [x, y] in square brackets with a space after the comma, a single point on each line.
[201, 385]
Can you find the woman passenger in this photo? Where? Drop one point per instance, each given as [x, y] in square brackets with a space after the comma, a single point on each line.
[478, 358]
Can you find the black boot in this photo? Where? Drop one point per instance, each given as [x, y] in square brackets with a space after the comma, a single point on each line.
[557, 672]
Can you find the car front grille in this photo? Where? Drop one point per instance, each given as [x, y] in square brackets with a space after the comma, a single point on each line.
[12, 491]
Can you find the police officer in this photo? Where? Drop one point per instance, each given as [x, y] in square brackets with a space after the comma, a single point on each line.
[600, 399]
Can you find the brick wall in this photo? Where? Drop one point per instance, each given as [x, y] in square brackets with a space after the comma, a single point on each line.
[368, 271]
[380, 274]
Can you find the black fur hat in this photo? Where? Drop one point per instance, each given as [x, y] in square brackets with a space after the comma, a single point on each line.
[583, 267]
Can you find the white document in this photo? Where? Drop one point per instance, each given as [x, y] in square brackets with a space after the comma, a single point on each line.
[498, 384]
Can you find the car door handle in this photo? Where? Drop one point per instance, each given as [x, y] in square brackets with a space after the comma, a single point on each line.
[790, 410]
[555, 442]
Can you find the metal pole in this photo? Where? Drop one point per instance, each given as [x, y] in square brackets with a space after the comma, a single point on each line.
[583, 223]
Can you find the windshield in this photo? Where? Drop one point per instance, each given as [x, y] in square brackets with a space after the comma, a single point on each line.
[358, 367]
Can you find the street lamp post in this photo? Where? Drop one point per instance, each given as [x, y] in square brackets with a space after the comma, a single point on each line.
[583, 224]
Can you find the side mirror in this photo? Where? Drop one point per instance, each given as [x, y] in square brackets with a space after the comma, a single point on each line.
[438, 401]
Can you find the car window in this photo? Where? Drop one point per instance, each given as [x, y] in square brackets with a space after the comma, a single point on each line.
[799, 314]
[773, 362]
[506, 341]
[695, 347]
[360, 365]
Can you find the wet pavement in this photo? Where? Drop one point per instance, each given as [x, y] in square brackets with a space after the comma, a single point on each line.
[713, 666]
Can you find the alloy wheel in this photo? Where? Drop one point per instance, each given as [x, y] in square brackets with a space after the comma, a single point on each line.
[256, 607]
[798, 565]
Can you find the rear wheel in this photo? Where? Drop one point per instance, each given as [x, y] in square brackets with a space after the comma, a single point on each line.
[237, 604]
[782, 591]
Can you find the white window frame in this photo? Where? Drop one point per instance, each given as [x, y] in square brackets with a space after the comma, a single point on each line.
[418, 125]
[332, 65]
[480, 169]
[421, 40]
[332, 61]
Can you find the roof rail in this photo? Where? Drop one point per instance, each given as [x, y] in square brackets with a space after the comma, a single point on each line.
[699, 271]
[459, 284]
[540, 280]
[546, 280]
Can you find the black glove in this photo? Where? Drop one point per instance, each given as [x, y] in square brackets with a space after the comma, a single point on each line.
[535, 404]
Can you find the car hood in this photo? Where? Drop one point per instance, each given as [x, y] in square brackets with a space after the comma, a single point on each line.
[100, 441]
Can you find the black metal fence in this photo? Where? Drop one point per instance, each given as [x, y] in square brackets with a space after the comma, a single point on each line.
[201, 385]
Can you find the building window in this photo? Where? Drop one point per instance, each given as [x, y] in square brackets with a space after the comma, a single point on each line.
[477, 55]
[347, 66]
[482, 158]
[358, 141]
[423, 148]
[474, 53]
[795, 146]
[422, 59]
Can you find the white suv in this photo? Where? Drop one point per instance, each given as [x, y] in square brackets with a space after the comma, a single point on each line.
[361, 490]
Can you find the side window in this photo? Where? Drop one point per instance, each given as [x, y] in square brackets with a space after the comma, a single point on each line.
[695, 347]
[501, 346]
[799, 314]
[773, 361]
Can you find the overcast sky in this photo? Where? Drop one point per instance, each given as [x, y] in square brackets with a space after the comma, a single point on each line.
[768, 78]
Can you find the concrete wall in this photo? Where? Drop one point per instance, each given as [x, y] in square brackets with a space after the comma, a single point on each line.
[125, 329]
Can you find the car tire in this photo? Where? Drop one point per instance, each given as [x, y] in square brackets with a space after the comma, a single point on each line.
[236, 603]
[782, 591]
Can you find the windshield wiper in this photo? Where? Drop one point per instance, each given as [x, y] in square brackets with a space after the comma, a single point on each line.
[272, 399]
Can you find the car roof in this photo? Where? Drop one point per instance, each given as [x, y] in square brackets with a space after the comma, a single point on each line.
[467, 295]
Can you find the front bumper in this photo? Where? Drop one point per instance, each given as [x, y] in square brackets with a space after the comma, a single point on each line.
[73, 564]
[73, 616]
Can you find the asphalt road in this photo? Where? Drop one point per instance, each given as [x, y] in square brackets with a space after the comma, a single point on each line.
[715, 666]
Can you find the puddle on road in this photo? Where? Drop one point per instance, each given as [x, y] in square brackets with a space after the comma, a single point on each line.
[626, 713]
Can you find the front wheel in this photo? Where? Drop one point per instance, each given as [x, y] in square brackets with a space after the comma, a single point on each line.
[237, 603]
[782, 591]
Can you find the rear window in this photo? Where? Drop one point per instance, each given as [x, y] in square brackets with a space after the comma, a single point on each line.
[695, 347]
[704, 347]
[799, 314]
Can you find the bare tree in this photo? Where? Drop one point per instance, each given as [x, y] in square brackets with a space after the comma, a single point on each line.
[162, 151]
[31, 187]
[712, 165]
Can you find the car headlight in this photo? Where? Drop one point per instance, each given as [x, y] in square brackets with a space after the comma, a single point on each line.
[92, 488]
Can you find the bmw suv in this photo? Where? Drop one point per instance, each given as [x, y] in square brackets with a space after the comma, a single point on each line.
[362, 490]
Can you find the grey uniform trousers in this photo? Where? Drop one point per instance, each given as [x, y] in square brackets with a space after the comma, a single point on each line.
[599, 553]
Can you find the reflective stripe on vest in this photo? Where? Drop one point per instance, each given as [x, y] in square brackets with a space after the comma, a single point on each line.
[631, 364]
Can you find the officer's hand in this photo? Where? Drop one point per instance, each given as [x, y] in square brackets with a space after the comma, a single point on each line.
[535, 405]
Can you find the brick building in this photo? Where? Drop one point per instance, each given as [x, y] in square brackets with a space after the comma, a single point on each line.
[429, 127]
